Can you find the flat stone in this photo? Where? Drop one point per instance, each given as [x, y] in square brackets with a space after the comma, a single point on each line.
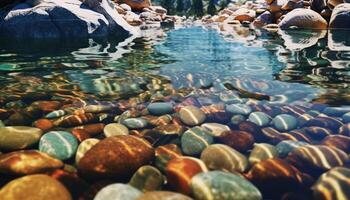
[262, 151]
[160, 108]
[114, 129]
[18, 137]
[191, 115]
[285, 122]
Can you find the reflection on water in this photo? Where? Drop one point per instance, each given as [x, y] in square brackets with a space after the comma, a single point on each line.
[298, 65]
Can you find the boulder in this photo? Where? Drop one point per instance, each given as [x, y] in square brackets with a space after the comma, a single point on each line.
[63, 19]
[340, 17]
[303, 18]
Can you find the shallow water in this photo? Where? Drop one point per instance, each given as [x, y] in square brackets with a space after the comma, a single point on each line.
[298, 66]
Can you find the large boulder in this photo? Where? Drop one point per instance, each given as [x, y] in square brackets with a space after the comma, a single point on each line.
[340, 16]
[303, 18]
[63, 19]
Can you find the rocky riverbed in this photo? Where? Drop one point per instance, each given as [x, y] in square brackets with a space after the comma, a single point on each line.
[153, 140]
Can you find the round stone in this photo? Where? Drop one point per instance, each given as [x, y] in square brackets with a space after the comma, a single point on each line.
[55, 114]
[336, 111]
[118, 191]
[115, 157]
[259, 118]
[215, 129]
[85, 146]
[223, 157]
[191, 115]
[27, 162]
[239, 109]
[114, 129]
[147, 178]
[35, 187]
[97, 108]
[59, 144]
[218, 185]
[346, 118]
[237, 119]
[239, 140]
[285, 122]
[195, 140]
[18, 137]
[160, 108]
[261, 152]
[135, 123]
[287, 146]
[165, 153]
[163, 195]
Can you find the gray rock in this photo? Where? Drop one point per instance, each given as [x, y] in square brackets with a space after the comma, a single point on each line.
[340, 16]
[63, 19]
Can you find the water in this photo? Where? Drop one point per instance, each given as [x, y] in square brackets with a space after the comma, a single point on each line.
[298, 66]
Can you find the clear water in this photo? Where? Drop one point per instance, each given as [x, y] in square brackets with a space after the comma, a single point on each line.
[298, 66]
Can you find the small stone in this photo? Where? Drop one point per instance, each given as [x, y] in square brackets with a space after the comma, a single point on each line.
[87, 131]
[287, 146]
[239, 140]
[76, 120]
[138, 5]
[163, 195]
[59, 144]
[118, 191]
[147, 178]
[55, 114]
[240, 109]
[191, 115]
[330, 123]
[337, 141]
[223, 157]
[114, 129]
[165, 153]
[336, 111]
[195, 140]
[160, 108]
[97, 108]
[259, 118]
[135, 123]
[180, 171]
[83, 147]
[35, 187]
[18, 137]
[346, 117]
[215, 129]
[262, 152]
[170, 129]
[217, 185]
[244, 14]
[285, 122]
[317, 133]
[237, 119]
[43, 124]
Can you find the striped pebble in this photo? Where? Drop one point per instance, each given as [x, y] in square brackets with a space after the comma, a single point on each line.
[341, 142]
[285, 122]
[118, 191]
[55, 114]
[223, 157]
[191, 115]
[135, 123]
[236, 119]
[85, 146]
[241, 109]
[303, 18]
[195, 140]
[287, 146]
[215, 129]
[59, 144]
[262, 151]
[259, 118]
[114, 129]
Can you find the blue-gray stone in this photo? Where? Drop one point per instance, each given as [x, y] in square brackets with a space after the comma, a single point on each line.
[259, 118]
[160, 108]
[285, 122]
[287, 146]
[195, 140]
[241, 109]
[135, 123]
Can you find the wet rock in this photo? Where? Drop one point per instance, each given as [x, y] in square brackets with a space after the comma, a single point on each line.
[76, 120]
[87, 131]
[160, 108]
[332, 124]
[55, 114]
[147, 178]
[223, 157]
[97, 108]
[253, 129]
[243, 14]
[164, 195]
[18, 137]
[138, 5]
[287, 146]
[262, 152]
[292, 4]
[195, 140]
[191, 115]
[285, 122]
[114, 129]
[217, 185]
[317, 133]
[333, 3]
[259, 118]
[241, 109]
[340, 16]
[47, 106]
[43, 124]
[35, 187]
[180, 171]
[59, 144]
[337, 141]
[83, 147]
[239, 140]
[303, 18]
[115, 157]
[118, 191]
[165, 153]
[135, 123]
[318, 5]
[27, 162]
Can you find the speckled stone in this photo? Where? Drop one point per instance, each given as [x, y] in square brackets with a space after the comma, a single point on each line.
[59, 144]
[85, 146]
[37, 187]
[259, 118]
[118, 191]
[166, 153]
[147, 178]
[333, 185]
[135, 123]
[160, 108]
[180, 171]
[223, 157]
[115, 157]
[217, 185]
[215, 129]
[285, 122]
[114, 129]
[240, 109]
[195, 140]
[18, 137]
[27, 162]
[163, 195]
[262, 152]
[287, 146]
[191, 115]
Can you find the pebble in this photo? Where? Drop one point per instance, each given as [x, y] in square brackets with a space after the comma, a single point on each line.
[345, 129]
[118, 191]
[43, 124]
[239, 140]
[163, 195]
[317, 133]
[239, 109]
[180, 171]
[215, 129]
[165, 153]
[285, 122]
[262, 151]
[19, 137]
[195, 140]
[55, 114]
[223, 157]
[336, 111]
[218, 185]
[59, 144]
[83, 147]
[237, 119]
[34, 187]
[97, 108]
[287, 146]
[259, 118]
[337, 141]
[115, 157]
[27, 162]
[114, 129]
[346, 118]
[160, 108]
[147, 178]
[135, 123]
[76, 120]
[87, 131]
[191, 115]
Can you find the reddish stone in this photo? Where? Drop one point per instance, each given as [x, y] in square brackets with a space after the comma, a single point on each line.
[87, 131]
[239, 140]
[44, 124]
[47, 106]
[76, 120]
[253, 129]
